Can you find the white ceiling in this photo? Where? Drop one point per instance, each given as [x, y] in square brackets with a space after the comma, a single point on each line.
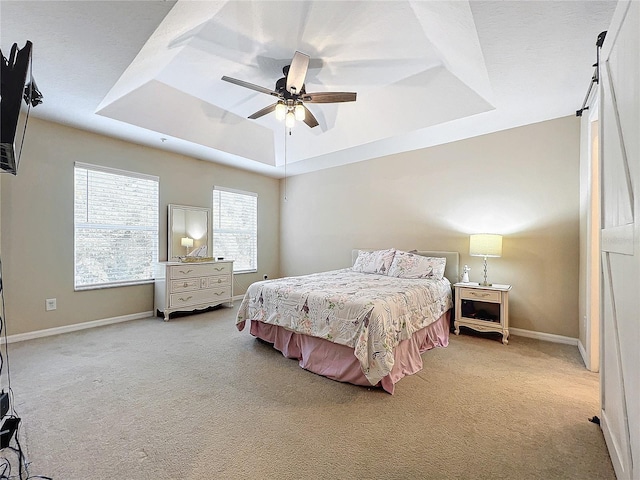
[426, 72]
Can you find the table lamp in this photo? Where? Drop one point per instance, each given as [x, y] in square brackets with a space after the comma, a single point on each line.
[485, 245]
[187, 243]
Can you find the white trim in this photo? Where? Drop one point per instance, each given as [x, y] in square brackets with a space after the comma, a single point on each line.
[101, 286]
[547, 337]
[234, 190]
[237, 297]
[583, 354]
[591, 350]
[116, 171]
[614, 449]
[76, 326]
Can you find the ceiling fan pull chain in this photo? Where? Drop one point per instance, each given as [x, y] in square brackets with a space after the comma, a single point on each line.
[285, 161]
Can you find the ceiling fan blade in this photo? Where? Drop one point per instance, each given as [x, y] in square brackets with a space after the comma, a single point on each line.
[273, 66]
[297, 72]
[309, 119]
[257, 88]
[329, 97]
[263, 111]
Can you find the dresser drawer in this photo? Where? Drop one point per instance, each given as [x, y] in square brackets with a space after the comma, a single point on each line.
[222, 268]
[185, 285]
[220, 293]
[480, 295]
[197, 297]
[217, 281]
[190, 270]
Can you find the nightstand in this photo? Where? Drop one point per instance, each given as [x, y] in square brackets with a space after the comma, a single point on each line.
[484, 309]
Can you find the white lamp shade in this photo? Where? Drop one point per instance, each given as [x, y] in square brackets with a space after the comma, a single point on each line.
[485, 245]
[299, 112]
[281, 111]
[290, 120]
[186, 242]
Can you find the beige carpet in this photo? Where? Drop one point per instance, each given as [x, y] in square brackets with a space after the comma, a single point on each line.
[196, 399]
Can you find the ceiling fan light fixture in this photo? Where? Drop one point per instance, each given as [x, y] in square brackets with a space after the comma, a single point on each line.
[290, 120]
[291, 94]
[281, 111]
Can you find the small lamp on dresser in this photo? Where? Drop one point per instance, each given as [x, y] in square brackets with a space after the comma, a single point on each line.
[187, 243]
[485, 245]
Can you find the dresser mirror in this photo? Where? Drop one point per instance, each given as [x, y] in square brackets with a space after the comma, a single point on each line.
[189, 232]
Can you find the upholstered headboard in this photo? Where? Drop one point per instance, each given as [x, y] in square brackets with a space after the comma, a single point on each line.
[451, 270]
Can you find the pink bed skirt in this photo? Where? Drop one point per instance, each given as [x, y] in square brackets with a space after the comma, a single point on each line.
[338, 362]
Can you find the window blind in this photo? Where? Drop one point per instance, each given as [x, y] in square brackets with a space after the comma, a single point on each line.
[235, 227]
[116, 226]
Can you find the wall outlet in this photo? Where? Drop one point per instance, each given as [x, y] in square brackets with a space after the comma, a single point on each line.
[50, 304]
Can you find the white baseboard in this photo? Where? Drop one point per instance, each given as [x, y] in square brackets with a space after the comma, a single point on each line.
[20, 337]
[547, 337]
[585, 358]
[583, 354]
[237, 297]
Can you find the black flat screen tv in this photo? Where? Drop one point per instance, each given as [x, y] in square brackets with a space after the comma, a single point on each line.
[13, 79]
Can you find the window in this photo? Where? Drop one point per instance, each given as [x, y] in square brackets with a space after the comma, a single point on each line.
[116, 227]
[235, 227]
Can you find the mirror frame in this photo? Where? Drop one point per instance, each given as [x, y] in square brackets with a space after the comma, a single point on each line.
[171, 212]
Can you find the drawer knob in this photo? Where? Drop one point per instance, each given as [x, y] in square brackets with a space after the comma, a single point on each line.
[219, 280]
[185, 284]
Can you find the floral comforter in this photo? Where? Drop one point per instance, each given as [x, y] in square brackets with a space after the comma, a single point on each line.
[370, 313]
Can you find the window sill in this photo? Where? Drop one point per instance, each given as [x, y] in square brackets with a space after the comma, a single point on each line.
[112, 285]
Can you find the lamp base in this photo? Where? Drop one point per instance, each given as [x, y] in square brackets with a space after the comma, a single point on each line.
[485, 284]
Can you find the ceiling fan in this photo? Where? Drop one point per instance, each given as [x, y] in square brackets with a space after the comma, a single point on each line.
[291, 94]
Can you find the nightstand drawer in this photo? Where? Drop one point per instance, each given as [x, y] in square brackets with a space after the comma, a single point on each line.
[480, 295]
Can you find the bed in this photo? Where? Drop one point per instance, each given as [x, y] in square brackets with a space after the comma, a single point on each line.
[366, 325]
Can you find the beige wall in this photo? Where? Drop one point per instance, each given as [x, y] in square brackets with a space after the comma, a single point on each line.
[523, 183]
[37, 222]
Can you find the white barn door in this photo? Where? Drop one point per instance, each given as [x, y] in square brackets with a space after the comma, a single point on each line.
[620, 243]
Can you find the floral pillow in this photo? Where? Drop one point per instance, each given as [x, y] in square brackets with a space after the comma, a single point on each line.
[408, 265]
[377, 261]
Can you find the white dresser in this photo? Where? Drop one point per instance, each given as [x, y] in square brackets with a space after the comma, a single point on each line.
[187, 287]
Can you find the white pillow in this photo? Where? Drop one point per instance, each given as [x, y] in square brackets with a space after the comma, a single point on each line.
[377, 261]
[408, 265]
